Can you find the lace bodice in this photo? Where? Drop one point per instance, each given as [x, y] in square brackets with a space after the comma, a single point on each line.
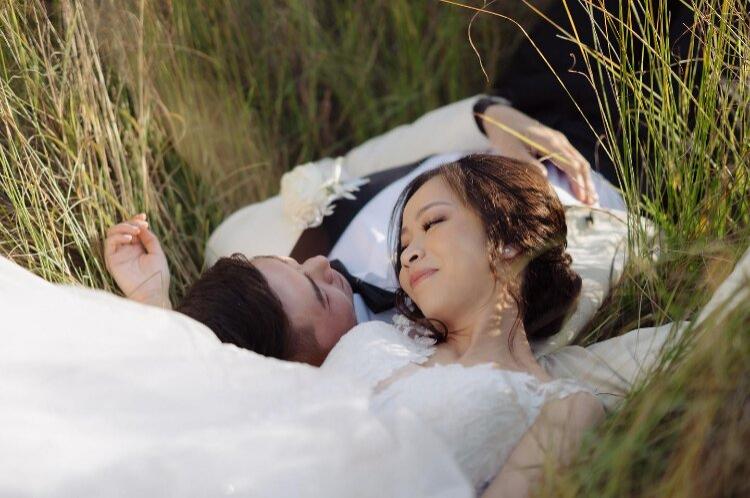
[480, 412]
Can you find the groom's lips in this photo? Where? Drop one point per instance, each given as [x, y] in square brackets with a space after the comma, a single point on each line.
[420, 275]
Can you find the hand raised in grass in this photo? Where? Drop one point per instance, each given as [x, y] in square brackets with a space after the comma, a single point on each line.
[137, 262]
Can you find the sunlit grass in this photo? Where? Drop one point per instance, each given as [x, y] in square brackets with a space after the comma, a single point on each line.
[682, 148]
[188, 109]
[679, 135]
[75, 157]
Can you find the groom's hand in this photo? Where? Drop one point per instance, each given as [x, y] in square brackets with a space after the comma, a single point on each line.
[136, 261]
[518, 136]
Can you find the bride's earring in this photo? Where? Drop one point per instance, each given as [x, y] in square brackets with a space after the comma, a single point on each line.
[509, 252]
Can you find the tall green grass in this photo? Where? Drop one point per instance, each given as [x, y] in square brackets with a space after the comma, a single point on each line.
[187, 110]
[679, 133]
[76, 157]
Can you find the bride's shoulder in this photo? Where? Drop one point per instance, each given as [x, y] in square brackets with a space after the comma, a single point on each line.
[381, 339]
[372, 351]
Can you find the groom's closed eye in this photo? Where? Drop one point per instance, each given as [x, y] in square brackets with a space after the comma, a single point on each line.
[318, 293]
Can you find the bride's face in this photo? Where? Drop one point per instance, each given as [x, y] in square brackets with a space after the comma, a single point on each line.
[445, 265]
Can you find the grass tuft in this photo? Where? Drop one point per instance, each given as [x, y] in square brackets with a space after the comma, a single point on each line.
[188, 110]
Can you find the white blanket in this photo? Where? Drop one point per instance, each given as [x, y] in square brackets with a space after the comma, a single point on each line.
[100, 396]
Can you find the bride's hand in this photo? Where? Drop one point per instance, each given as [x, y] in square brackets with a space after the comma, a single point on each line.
[518, 136]
[136, 261]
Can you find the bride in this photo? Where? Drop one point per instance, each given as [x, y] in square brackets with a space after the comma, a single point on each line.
[479, 251]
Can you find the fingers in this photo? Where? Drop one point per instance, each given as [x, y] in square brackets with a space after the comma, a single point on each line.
[131, 228]
[575, 166]
[149, 241]
[590, 187]
[587, 187]
[115, 240]
[146, 236]
[138, 229]
[124, 233]
[540, 140]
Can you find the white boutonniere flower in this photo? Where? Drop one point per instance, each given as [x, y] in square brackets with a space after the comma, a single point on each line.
[309, 190]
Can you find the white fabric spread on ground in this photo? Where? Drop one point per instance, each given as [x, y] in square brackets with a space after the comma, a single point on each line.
[100, 396]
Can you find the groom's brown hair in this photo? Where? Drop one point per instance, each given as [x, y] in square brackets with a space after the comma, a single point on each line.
[235, 301]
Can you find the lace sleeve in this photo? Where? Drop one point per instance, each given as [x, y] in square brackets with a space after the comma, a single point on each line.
[371, 352]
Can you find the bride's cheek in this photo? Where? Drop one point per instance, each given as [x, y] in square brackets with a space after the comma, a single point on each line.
[402, 281]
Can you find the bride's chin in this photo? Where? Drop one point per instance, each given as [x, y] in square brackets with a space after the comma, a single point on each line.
[428, 308]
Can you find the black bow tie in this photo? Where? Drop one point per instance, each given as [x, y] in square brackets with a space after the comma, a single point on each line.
[375, 298]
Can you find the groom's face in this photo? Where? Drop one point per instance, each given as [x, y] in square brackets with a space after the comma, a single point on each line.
[314, 295]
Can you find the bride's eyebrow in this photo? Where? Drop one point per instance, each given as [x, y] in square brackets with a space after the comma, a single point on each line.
[428, 206]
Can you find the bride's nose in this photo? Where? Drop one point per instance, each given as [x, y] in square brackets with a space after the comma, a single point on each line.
[411, 254]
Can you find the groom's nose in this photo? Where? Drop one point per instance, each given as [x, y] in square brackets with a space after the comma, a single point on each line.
[318, 266]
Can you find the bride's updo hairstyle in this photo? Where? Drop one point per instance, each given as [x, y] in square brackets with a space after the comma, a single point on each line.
[517, 207]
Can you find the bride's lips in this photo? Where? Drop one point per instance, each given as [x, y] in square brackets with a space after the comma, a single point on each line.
[420, 275]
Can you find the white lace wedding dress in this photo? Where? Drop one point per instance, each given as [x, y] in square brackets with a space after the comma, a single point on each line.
[479, 412]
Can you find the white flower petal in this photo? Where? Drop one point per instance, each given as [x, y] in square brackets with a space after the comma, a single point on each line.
[308, 191]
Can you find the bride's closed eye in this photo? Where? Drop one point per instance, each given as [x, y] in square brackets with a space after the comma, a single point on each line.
[426, 226]
[429, 223]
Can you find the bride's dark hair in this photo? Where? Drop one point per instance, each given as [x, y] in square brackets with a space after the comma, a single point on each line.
[517, 207]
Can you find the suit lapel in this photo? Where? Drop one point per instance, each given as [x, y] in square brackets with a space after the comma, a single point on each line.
[320, 240]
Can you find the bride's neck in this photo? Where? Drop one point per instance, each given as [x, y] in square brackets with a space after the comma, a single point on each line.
[472, 336]
[495, 335]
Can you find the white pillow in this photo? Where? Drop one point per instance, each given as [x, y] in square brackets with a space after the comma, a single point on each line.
[101, 395]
